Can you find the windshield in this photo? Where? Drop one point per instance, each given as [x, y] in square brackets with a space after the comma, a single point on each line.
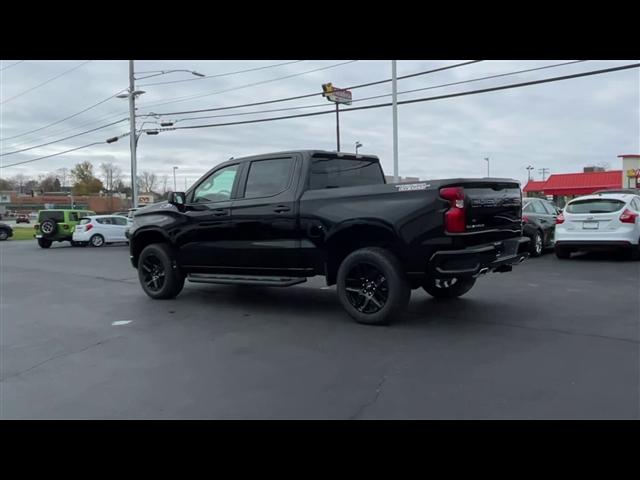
[597, 205]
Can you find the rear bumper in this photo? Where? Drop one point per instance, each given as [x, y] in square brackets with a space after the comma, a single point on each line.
[595, 244]
[473, 261]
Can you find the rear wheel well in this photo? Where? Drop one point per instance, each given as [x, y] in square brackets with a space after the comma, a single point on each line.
[352, 239]
[141, 240]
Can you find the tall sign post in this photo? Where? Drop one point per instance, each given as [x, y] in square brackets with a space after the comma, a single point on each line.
[337, 96]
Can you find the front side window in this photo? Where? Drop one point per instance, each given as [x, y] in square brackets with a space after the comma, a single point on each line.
[268, 177]
[119, 221]
[217, 187]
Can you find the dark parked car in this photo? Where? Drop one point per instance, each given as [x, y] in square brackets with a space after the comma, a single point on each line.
[277, 219]
[22, 218]
[539, 224]
[5, 231]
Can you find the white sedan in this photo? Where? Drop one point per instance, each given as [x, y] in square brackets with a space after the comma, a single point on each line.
[606, 220]
[98, 230]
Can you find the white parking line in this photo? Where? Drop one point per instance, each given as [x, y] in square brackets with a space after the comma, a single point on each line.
[121, 322]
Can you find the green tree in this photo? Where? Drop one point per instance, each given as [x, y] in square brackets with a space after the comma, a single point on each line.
[84, 182]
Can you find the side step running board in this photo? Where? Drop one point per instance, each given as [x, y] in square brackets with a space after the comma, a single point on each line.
[245, 280]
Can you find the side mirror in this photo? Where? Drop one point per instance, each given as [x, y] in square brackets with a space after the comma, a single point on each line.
[179, 199]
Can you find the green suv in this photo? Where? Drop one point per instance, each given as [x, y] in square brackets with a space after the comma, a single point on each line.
[58, 226]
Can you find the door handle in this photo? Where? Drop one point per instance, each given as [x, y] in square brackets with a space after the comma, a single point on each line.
[220, 212]
[281, 208]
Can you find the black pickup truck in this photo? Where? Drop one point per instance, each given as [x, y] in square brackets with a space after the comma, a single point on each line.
[279, 218]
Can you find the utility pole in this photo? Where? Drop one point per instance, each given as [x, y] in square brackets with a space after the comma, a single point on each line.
[174, 178]
[185, 184]
[132, 136]
[543, 172]
[487, 160]
[394, 83]
[338, 125]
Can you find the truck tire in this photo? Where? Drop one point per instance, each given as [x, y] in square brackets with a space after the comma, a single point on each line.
[44, 242]
[448, 288]
[562, 252]
[372, 286]
[48, 228]
[158, 273]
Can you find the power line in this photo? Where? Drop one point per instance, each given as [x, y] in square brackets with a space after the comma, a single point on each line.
[12, 65]
[424, 99]
[63, 119]
[44, 83]
[222, 74]
[315, 94]
[53, 155]
[193, 97]
[63, 139]
[381, 96]
[417, 100]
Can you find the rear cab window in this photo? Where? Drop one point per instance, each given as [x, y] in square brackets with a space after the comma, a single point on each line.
[595, 205]
[344, 172]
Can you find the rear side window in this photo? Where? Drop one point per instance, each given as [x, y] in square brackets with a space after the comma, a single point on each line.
[527, 208]
[549, 208]
[103, 221]
[268, 177]
[596, 205]
[341, 172]
[119, 221]
[57, 216]
[74, 216]
[635, 204]
[538, 208]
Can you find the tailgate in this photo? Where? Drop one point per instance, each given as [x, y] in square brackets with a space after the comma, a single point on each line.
[493, 206]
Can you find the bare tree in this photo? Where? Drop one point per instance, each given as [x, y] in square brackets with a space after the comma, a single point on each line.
[63, 176]
[20, 180]
[148, 181]
[110, 174]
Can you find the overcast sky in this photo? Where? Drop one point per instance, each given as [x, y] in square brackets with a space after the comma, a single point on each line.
[562, 126]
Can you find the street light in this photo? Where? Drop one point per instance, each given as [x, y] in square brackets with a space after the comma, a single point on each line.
[174, 178]
[156, 73]
[358, 145]
[487, 160]
[131, 94]
[529, 168]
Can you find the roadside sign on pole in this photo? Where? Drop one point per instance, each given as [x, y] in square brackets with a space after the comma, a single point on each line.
[336, 95]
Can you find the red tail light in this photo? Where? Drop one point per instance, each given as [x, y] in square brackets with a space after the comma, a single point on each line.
[560, 218]
[454, 218]
[525, 219]
[628, 216]
[88, 227]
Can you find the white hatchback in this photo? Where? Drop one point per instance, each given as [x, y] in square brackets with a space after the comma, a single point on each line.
[606, 220]
[98, 230]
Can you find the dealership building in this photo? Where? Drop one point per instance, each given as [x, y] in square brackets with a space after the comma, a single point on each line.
[562, 187]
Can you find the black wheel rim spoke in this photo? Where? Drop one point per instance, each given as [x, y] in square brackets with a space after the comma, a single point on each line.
[366, 288]
[153, 273]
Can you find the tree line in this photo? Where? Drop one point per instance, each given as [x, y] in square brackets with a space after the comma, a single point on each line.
[83, 180]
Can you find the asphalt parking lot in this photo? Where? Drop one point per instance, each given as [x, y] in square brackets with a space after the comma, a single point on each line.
[553, 339]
